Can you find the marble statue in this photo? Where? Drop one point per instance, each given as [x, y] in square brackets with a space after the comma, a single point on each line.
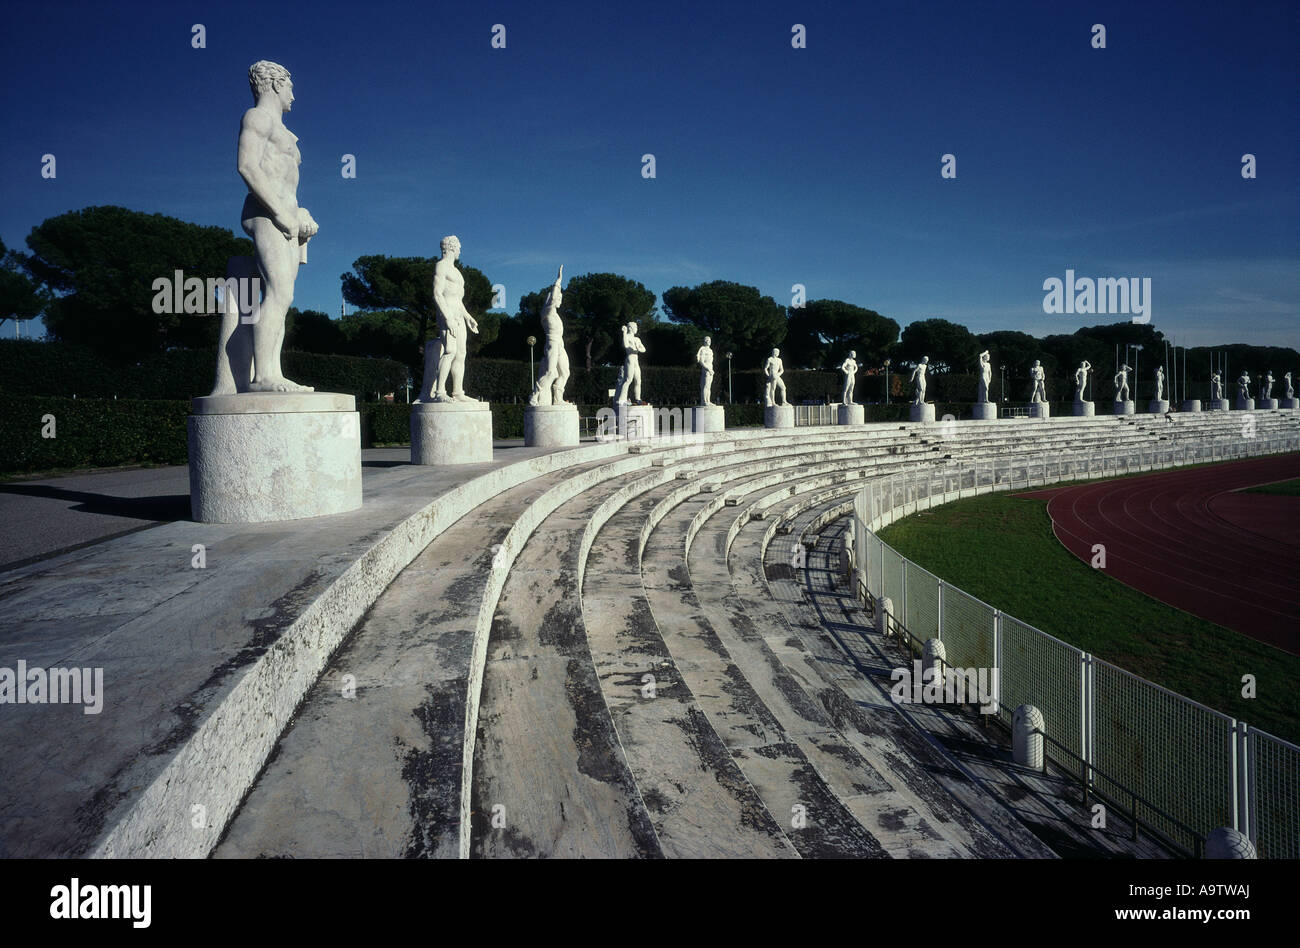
[1266, 387]
[444, 357]
[1121, 383]
[1216, 386]
[553, 373]
[986, 376]
[248, 351]
[1243, 386]
[1039, 378]
[850, 369]
[1160, 383]
[918, 378]
[1290, 392]
[1081, 379]
[630, 379]
[773, 369]
[704, 358]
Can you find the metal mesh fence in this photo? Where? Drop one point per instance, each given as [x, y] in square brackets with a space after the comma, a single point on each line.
[1043, 671]
[891, 565]
[1275, 796]
[1173, 752]
[967, 629]
[922, 610]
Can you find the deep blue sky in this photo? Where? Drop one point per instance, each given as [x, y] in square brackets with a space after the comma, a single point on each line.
[775, 165]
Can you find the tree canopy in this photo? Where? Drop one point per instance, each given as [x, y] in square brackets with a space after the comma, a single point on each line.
[951, 346]
[738, 317]
[823, 332]
[20, 296]
[594, 306]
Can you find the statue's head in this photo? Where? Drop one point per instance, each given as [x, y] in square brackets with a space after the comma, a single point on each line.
[853, 354]
[708, 341]
[450, 246]
[775, 353]
[265, 76]
[631, 327]
[1037, 363]
[925, 360]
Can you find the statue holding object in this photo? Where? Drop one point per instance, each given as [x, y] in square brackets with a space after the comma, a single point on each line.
[553, 373]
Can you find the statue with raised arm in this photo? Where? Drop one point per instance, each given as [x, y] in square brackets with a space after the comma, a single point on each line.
[850, 369]
[444, 357]
[249, 344]
[1243, 385]
[1039, 378]
[1266, 387]
[1216, 386]
[986, 376]
[1290, 392]
[774, 369]
[1081, 380]
[631, 378]
[1160, 383]
[553, 373]
[704, 359]
[918, 379]
[1121, 383]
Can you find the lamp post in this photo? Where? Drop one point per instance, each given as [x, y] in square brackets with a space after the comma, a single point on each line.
[532, 341]
[1137, 346]
[409, 382]
[1002, 382]
[729, 401]
[887, 364]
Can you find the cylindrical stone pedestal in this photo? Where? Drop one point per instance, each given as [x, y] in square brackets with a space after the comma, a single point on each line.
[1125, 408]
[933, 655]
[261, 457]
[884, 608]
[1290, 403]
[1267, 404]
[984, 411]
[1084, 409]
[635, 421]
[1219, 404]
[1192, 404]
[451, 433]
[852, 415]
[1026, 745]
[778, 416]
[1158, 406]
[1040, 410]
[922, 413]
[1244, 404]
[1228, 843]
[550, 426]
[708, 418]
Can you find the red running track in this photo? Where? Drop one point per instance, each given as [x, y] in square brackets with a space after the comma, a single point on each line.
[1184, 538]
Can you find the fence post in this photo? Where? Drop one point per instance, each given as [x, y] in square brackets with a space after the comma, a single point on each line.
[901, 611]
[997, 656]
[939, 611]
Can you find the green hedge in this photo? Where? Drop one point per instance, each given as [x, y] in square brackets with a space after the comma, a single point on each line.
[90, 432]
[62, 369]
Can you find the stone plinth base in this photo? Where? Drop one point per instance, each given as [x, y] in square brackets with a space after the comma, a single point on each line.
[451, 433]
[852, 415]
[1244, 404]
[1125, 408]
[707, 418]
[550, 426]
[1084, 409]
[635, 421]
[923, 412]
[261, 457]
[984, 411]
[1040, 410]
[1267, 404]
[1192, 404]
[1290, 403]
[1158, 406]
[1219, 404]
[778, 416]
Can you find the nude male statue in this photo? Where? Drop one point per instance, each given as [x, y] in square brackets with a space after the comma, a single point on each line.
[1081, 379]
[1290, 392]
[444, 357]
[1266, 387]
[918, 378]
[248, 350]
[1039, 378]
[1216, 386]
[850, 369]
[774, 369]
[1160, 383]
[553, 373]
[986, 376]
[704, 358]
[631, 377]
[1243, 386]
[1121, 383]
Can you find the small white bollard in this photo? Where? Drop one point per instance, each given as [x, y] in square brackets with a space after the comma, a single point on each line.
[932, 659]
[1027, 737]
[1228, 843]
[884, 609]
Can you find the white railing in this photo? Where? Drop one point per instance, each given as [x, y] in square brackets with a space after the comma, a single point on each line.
[1126, 736]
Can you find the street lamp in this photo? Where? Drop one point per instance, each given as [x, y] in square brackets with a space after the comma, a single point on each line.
[1002, 381]
[729, 401]
[532, 341]
[887, 364]
[409, 382]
